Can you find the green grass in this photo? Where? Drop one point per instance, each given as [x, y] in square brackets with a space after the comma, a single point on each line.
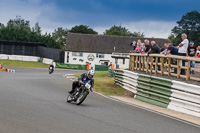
[105, 84]
[14, 63]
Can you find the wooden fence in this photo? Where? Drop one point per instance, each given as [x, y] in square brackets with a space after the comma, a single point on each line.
[143, 62]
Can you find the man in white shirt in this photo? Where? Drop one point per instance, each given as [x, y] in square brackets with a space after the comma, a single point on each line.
[182, 50]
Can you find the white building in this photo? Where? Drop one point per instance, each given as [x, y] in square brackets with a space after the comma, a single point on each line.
[100, 49]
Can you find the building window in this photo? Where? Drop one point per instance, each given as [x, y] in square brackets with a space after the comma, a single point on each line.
[80, 54]
[100, 55]
[123, 61]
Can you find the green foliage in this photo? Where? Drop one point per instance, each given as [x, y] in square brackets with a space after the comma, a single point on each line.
[82, 29]
[60, 35]
[122, 31]
[189, 24]
[19, 30]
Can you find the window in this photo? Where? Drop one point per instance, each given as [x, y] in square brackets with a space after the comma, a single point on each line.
[100, 55]
[80, 54]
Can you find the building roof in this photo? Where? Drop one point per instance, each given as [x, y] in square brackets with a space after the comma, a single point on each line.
[92, 43]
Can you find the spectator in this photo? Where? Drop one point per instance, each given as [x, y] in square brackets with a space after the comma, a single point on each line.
[171, 49]
[133, 45]
[155, 49]
[182, 50]
[139, 48]
[112, 66]
[191, 52]
[147, 45]
[198, 52]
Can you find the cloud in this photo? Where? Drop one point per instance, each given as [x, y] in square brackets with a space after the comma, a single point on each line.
[150, 28]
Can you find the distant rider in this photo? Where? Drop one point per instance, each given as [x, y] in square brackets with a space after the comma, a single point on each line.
[84, 78]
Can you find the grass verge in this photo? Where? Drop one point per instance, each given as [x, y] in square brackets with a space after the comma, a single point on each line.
[16, 63]
[105, 85]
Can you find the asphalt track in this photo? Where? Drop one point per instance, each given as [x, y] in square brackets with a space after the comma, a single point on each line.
[33, 101]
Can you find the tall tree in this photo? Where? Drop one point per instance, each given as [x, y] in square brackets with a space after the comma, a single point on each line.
[60, 35]
[189, 24]
[82, 29]
[122, 31]
[19, 30]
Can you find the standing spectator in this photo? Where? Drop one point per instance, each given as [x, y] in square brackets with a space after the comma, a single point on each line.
[155, 49]
[139, 48]
[133, 45]
[198, 52]
[171, 49]
[182, 50]
[112, 66]
[191, 52]
[147, 45]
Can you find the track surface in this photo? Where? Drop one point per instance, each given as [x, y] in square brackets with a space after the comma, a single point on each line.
[33, 101]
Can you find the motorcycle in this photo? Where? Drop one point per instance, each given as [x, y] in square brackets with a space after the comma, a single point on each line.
[51, 70]
[80, 93]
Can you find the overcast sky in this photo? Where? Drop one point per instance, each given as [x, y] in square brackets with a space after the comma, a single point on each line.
[155, 18]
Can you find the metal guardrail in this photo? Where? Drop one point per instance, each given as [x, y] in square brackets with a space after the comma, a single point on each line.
[143, 62]
[162, 92]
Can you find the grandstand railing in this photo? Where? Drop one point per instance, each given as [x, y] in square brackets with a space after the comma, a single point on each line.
[149, 64]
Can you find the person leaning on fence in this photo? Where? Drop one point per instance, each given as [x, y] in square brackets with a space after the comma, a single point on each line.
[191, 52]
[139, 48]
[155, 49]
[147, 45]
[182, 50]
[133, 45]
[170, 49]
[198, 52]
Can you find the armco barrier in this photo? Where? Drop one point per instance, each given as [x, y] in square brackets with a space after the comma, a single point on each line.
[162, 92]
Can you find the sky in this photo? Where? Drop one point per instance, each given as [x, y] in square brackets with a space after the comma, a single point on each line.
[154, 18]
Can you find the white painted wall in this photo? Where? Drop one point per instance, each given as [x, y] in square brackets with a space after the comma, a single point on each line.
[97, 61]
[82, 60]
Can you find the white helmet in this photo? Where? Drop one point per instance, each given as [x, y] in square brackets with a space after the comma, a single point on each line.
[90, 74]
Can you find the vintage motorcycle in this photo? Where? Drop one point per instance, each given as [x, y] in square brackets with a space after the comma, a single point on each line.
[80, 93]
[51, 70]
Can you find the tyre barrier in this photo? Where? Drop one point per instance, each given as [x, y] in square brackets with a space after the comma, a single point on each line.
[171, 94]
[10, 70]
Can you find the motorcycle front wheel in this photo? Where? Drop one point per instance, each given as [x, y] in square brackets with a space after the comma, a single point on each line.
[82, 97]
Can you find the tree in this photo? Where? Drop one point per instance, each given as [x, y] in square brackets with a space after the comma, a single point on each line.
[19, 30]
[189, 24]
[60, 35]
[82, 29]
[122, 31]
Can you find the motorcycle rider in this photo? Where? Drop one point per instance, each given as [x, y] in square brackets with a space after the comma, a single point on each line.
[84, 78]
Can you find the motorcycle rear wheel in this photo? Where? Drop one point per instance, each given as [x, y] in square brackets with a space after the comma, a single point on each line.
[69, 99]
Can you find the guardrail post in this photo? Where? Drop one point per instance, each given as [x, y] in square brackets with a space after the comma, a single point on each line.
[169, 66]
[139, 63]
[151, 66]
[143, 64]
[156, 65]
[147, 65]
[162, 66]
[178, 68]
[188, 71]
[136, 63]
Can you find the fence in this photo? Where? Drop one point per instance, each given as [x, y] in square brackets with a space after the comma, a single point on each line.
[162, 92]
[150, 64]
